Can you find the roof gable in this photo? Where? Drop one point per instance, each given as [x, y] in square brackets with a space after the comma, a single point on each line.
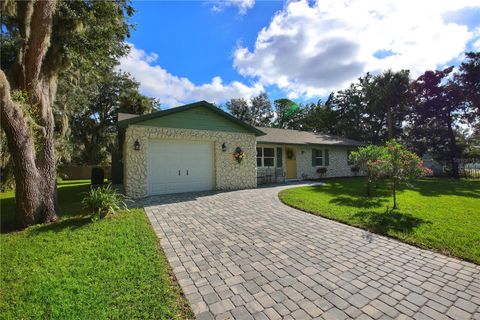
[200, 115]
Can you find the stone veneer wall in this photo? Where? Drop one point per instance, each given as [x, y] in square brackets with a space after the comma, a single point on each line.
[337, 167]
[228, 173]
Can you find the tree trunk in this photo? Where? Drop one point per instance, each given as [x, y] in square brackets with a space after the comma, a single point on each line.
[453, 149]
[390, 123]
[46, 162]
[33, 157]
[394, 192]
[31, 197]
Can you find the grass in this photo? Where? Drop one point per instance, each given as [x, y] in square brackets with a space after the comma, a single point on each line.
[77, 269]
[436, 213]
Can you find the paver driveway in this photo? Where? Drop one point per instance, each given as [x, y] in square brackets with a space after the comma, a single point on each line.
[244, 255]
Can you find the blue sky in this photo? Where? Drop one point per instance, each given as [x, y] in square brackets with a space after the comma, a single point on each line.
[193, 40]
[184, 51]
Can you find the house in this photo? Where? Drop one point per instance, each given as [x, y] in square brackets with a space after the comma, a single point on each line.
[192, 147]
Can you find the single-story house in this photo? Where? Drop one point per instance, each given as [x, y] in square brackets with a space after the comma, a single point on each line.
[200, 147]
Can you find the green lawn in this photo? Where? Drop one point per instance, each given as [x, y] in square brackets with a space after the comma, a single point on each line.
[78, 269]
[436, 213]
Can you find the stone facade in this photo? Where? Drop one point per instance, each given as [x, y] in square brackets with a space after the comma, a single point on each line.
[228, 173]
[338, 166]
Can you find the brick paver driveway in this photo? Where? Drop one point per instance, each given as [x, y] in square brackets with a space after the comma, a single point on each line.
[244, 255]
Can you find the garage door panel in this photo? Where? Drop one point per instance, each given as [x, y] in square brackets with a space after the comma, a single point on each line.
[180, 166]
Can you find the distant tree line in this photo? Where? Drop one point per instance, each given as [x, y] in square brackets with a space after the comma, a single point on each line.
[439, 112]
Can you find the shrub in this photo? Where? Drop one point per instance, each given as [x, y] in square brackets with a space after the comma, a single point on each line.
[103, 201]
[355, 169]
[322, 171]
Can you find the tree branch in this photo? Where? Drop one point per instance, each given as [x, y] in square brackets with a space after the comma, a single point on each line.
[38, 42]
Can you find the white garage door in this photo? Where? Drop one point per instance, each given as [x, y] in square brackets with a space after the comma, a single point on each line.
[179, 166]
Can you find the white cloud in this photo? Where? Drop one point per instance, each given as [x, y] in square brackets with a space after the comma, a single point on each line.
[172, 90]
[311, 49]
[242, 5]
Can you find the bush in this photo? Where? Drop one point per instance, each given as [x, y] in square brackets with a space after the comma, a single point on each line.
[355, 169]
[103, 201]
[322, 170]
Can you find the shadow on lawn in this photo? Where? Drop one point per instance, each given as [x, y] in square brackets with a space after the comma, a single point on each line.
[70, 223]
[389, 220]
[359, 202]
[435, 187]
[429, 187]
[70, 194]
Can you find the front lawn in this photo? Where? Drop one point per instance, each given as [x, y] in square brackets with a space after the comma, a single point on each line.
[437, 213]
[77, 269]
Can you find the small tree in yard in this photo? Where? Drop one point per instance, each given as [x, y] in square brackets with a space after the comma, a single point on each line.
[363, 158]
[399, 165]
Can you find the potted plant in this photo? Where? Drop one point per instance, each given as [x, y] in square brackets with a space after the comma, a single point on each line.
[322, 171]
[355, 170]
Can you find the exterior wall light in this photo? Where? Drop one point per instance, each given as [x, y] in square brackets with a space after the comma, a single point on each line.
[224, 147]
[136, 145]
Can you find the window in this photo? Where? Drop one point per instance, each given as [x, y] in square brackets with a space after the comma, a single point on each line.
[317, 159]
[349, 162]
[320, 157]
[265, 157]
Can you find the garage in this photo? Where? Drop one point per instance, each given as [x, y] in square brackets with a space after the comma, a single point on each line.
[180, 166]
[185, 149]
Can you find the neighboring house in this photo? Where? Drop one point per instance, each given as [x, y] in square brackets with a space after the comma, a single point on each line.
[190, 148]
[430, 163]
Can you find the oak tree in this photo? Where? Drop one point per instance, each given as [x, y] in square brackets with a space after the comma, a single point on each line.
[40, 39]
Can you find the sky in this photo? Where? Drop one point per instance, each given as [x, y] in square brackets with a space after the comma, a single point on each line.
[186, 51]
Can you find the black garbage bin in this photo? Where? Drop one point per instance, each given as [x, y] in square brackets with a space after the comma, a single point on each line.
[98, 176]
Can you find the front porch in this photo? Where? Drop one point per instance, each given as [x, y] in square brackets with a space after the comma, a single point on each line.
[277, 163]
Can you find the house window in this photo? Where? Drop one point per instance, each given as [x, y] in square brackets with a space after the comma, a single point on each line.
[320, 157]
[265, 157]
[317, 157]
[349, 162]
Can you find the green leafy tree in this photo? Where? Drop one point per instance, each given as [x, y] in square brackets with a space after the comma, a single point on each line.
[472, 149]
[373, 108]
[41, 39]
[258, 113]
[261, 110]
[319, 117]
[399, 165]
[468, 81]
[363, 158]
[288, 114]
[94, 121]
[388, 93]
[239, 108]
[438, 109]
[354, 117]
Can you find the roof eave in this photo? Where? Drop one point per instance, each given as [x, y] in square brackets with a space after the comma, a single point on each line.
[312, 144]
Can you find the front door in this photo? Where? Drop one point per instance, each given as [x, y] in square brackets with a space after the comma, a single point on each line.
[291, 163]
